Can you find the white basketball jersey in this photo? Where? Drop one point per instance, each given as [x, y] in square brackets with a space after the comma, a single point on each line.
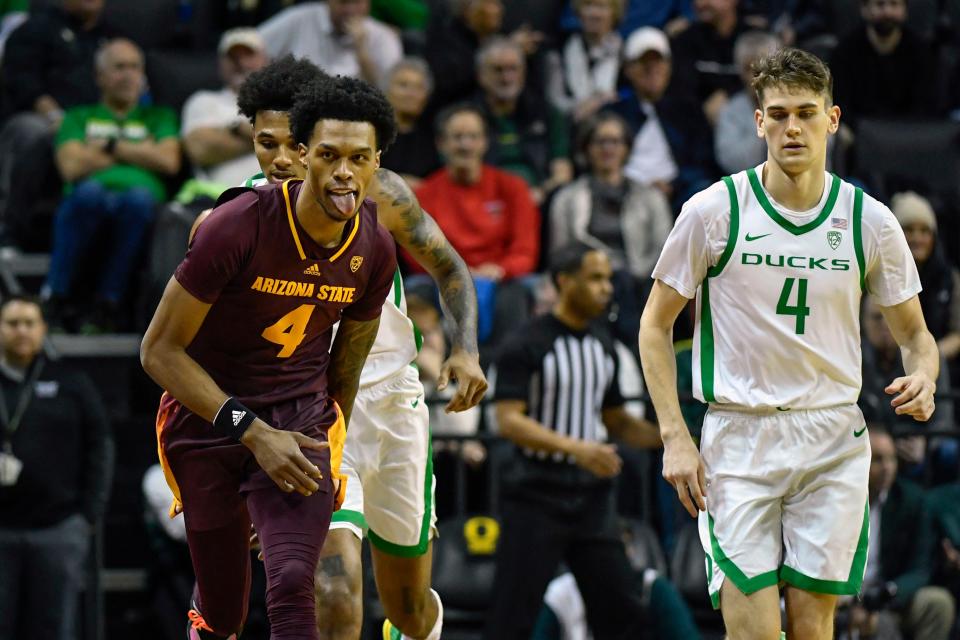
[778, 312]
[397, 341]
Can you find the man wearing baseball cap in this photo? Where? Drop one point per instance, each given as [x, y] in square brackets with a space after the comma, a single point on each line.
[672, 150]
[217, 139]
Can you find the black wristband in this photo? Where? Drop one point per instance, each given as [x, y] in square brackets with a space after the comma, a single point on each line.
[233, 418]
[111, 147]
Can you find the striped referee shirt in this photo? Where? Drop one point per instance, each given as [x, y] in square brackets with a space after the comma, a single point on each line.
[566, 377]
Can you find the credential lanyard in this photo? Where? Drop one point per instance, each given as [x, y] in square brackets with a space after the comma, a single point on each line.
[12, 423]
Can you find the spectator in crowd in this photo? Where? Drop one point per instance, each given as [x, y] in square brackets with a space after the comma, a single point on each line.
[705, 70]
[881, 363]
[339, 36]
[672, 149]
[605, 209]
[672, 16]
[452, 46]
[940, 297]
[736, 143]
[556, 397]
[528, 137]
[487, 215]
[897, 594]
[216, 138]
[47, 68]
[56, 464]
[582, 76]
[113, 155]
[903, 68]
[414, 153]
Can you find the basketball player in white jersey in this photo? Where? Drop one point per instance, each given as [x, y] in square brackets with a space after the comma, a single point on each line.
[778, 258]
[387, 459]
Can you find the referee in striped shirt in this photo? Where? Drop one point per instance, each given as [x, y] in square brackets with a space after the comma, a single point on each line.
[556, 398]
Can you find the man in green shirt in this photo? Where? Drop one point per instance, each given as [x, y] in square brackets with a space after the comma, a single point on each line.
[113, 156]
[528, 137]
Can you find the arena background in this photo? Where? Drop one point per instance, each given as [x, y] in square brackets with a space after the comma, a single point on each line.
[895, 142]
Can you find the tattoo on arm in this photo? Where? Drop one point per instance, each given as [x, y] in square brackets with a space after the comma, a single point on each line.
[419, 234]
[347, 356]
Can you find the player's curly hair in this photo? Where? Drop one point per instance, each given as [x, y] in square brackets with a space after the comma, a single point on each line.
[342, 98]
[274, 87]
[793, 69]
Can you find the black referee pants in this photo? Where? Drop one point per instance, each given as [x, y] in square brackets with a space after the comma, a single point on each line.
[576, 526]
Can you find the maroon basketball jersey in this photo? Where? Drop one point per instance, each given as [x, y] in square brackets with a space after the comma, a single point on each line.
[276, 293]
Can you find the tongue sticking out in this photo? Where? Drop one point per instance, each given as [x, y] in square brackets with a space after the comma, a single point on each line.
[345, 203]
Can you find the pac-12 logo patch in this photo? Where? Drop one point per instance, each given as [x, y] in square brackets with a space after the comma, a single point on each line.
[355, 263]
[833, 239]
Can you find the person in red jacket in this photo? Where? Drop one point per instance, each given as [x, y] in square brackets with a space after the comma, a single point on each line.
[489, 217]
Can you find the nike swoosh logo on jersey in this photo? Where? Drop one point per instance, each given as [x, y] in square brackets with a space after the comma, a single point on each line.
[857, 434]
[750, 238]
[415, 402]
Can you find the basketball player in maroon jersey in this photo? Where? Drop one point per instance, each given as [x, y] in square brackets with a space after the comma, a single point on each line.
[251, 427]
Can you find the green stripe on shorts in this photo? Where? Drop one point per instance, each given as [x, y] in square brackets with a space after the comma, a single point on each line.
[849, 587]
[739, 578]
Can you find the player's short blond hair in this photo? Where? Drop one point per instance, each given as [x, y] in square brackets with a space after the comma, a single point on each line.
[793, 69]
[616, 5]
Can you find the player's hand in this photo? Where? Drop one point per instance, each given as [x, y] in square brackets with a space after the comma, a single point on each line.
[683, 468]
[598, 458]
[278, 453]
[471, 383]
[914, 396]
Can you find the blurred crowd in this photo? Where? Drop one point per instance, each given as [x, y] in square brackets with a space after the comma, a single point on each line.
[523, 126]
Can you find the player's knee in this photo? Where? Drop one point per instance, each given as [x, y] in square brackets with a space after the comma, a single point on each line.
[338, 604]
[812, 624]
[292, 580]
[746, 624]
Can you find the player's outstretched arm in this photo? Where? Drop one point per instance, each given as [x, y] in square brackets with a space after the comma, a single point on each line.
[347, 355]
[164, 356]
[682, 465]
[399, 211]
[921, 360]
